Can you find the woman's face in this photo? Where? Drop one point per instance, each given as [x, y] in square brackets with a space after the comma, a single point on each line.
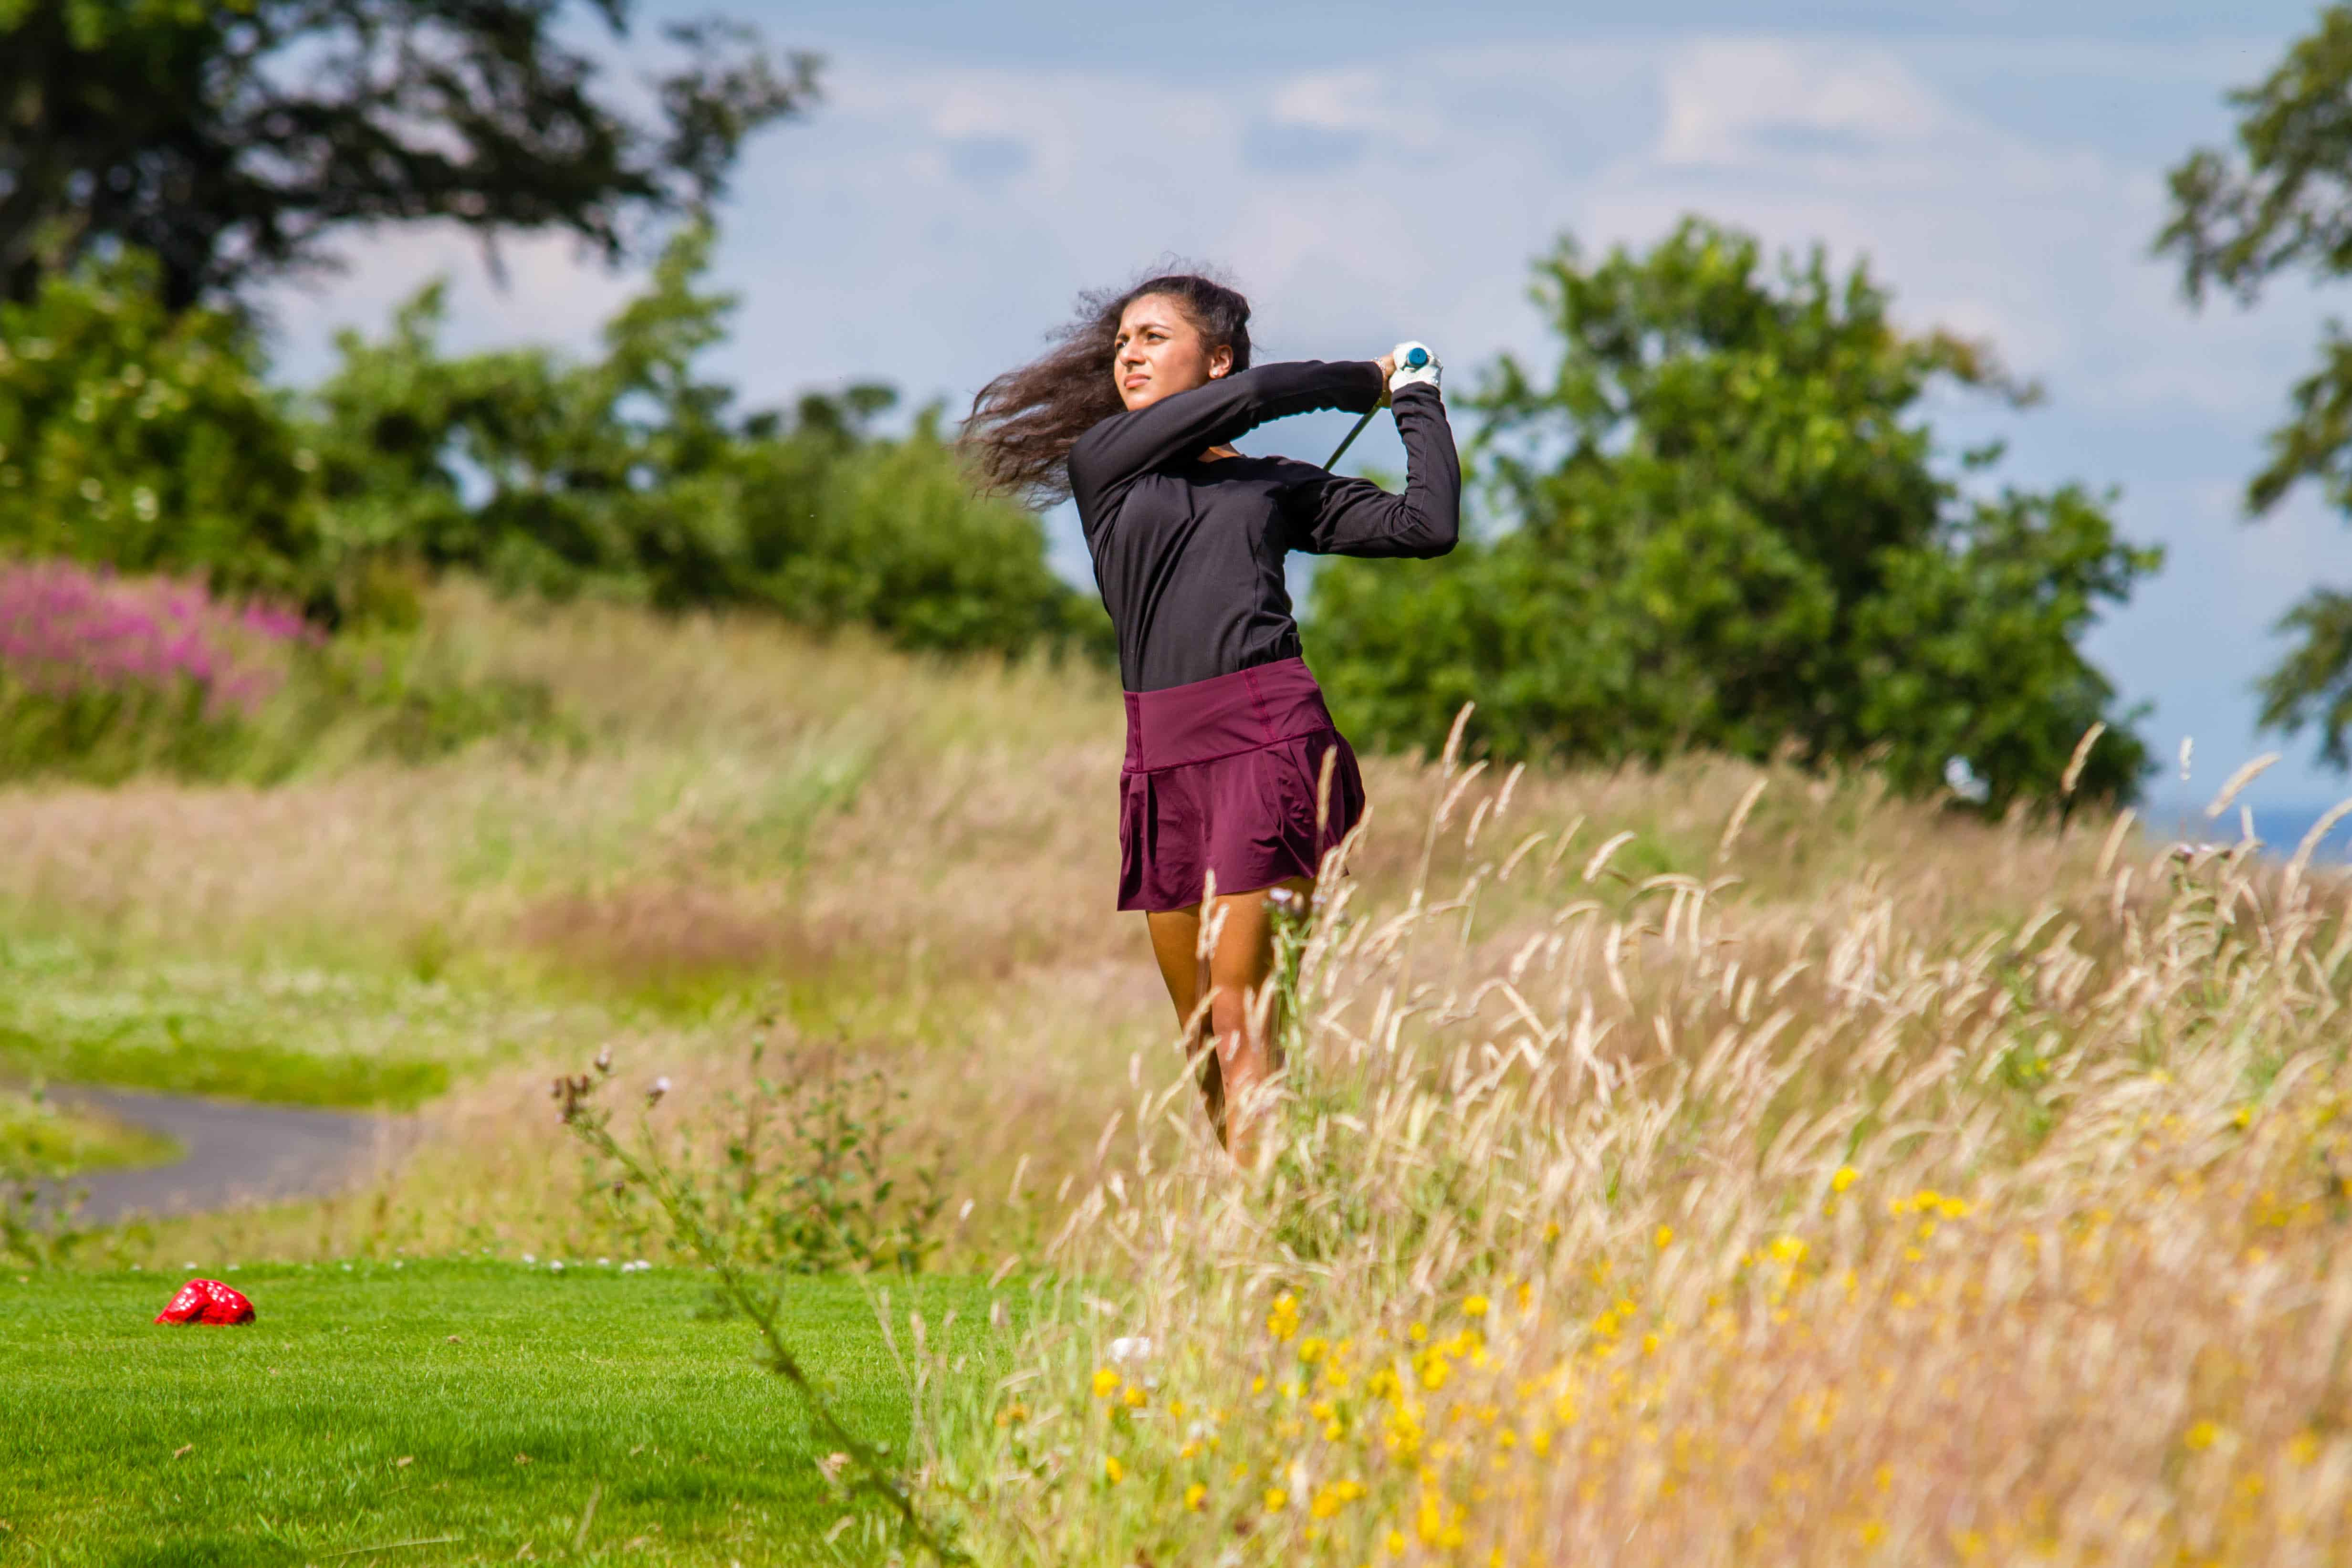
[1159, 352]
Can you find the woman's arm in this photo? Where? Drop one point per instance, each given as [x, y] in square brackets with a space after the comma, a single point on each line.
[1187, 423]
[1356, 517]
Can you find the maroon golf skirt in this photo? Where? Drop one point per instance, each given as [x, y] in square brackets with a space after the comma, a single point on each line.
[1221, 776]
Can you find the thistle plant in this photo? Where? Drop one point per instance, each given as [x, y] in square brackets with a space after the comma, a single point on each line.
[684, 1209]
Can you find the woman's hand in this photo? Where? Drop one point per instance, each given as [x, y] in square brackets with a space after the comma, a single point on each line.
[1414, 364]
[1420, 367]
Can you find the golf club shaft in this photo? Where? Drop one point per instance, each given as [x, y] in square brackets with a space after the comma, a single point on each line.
[1333, 461]
[1415, 356]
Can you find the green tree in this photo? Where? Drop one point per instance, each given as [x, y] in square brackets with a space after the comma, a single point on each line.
[2280, 203]
[145, 439]
[1724, 528]
[587, 467]
[631, 473]
[227, 137]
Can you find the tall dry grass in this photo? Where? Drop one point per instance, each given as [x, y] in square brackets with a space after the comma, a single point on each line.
[1979, 1204]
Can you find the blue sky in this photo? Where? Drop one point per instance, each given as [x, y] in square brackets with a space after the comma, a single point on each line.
[1383, 169]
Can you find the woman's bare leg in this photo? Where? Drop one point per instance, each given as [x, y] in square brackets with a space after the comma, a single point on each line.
[1235, 972]
[1176, 944]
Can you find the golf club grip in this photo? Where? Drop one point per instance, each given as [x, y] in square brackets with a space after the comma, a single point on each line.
[1341, 449]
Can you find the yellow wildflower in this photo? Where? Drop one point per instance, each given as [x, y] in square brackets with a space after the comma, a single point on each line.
[1475, 1306]
[1192, 1496]
[1112, 1469]
[2202, 1435]
[1846, 1177]
[1310, 1350]
[1282, 1322]
[1276, 1499]
[1665, 1236]
[1106, 1383]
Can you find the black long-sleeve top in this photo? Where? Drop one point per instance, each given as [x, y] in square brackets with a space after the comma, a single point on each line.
[1187, 553]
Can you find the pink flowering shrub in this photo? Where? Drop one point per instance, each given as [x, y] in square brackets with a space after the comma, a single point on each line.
[67, 629]
[104, 674]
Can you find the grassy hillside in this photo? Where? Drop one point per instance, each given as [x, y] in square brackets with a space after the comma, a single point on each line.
[910, 864]
[1737, 1159]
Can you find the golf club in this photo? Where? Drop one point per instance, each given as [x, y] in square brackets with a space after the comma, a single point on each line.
[1416, 358]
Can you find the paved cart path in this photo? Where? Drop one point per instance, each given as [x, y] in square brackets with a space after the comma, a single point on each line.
[236, 1152]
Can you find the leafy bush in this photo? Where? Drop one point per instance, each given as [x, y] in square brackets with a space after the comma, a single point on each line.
[144, 440]
[628, 475]
[1727, 532]
[889, 534]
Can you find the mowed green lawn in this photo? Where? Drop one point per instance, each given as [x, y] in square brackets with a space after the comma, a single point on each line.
[436, 1413]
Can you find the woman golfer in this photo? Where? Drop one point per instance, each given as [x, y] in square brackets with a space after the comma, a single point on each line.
[1227, 737]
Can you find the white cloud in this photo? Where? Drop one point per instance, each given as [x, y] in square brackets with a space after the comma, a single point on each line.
[1755, 102]
[1351, 100]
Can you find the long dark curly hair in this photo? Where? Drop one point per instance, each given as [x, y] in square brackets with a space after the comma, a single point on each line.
[1024, 422]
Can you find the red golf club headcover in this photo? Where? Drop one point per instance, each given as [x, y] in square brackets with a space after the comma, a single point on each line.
[207, 1302]
[227, 1304]
[188, 1305]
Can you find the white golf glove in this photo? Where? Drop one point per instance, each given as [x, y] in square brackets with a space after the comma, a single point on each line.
[1416, 365]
